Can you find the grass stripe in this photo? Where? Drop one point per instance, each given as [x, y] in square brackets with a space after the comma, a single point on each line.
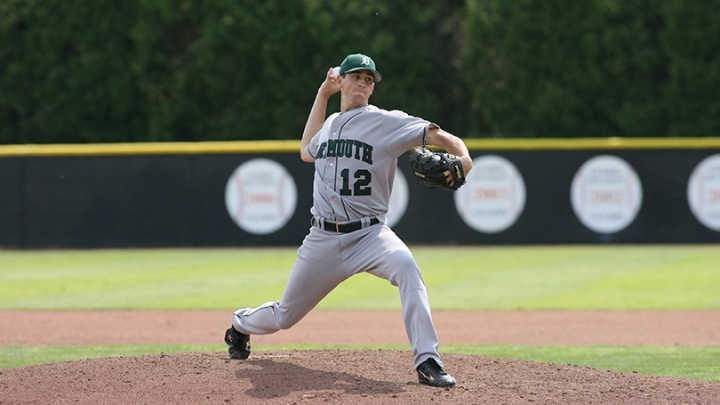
[458, 278]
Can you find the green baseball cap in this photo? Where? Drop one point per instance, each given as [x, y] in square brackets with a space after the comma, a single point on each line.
[359, 61]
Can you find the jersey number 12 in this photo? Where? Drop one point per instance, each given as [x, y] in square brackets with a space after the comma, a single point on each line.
[360, 187]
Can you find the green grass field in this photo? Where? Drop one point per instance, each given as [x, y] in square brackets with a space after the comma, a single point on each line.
[667, 277]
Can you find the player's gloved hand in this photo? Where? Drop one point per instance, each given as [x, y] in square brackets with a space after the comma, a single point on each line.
[437, 169]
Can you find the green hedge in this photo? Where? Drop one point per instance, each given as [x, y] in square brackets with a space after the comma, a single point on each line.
[193, 70]
[559, 68]
[692, 40]
[165, 70]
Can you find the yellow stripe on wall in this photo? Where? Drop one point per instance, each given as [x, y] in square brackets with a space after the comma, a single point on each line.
[284, 146]
[593, 143]
[150, 148]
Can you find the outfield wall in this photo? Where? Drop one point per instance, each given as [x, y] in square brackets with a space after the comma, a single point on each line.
[545, 191]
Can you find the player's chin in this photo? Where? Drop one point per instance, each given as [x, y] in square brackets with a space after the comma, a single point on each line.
[360, 101]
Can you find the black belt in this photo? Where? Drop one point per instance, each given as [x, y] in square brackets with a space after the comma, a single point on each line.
[342, 227]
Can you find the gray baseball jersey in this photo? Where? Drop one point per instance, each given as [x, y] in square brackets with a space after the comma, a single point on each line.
[355, 162]
[356, 158]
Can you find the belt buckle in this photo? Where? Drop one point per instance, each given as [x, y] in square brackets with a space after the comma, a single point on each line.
[337, 227]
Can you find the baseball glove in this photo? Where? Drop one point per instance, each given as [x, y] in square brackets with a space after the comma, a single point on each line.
[429, 169]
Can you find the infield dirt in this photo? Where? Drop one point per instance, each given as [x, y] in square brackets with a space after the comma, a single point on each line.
[346, 376]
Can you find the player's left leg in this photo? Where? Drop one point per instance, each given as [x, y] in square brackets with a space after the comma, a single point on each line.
[317, 271]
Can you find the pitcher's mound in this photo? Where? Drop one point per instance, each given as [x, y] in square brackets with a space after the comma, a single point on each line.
[345, 377]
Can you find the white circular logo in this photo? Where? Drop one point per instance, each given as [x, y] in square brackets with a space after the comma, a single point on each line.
[703, 192]
[260, 196]
[398, 199]
[494, 196]
[606, 194]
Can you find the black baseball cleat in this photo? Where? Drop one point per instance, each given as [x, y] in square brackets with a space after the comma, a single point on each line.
[430, 373]
[238, 344]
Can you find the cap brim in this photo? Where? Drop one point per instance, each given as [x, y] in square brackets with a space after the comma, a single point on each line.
[376, 75]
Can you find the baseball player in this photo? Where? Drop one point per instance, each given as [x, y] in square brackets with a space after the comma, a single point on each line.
[355, 153]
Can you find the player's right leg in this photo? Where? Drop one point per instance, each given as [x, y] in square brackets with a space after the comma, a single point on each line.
[396, 264]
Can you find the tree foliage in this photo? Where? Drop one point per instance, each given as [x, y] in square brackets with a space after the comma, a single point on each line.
[193, 70]
[556, 68]
[692, 41]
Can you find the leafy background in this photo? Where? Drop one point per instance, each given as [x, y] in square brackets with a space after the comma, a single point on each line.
[197, 70]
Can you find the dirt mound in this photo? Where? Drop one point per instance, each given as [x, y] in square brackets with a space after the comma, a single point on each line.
[333, 377]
